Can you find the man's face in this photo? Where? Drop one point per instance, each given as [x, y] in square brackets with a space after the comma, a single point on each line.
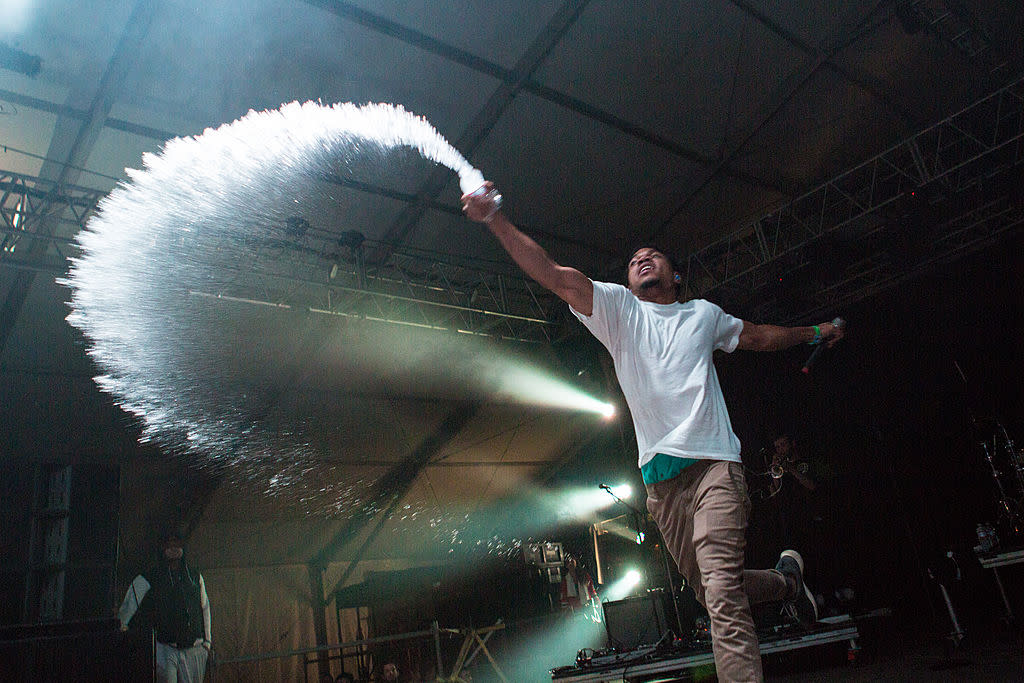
[390, 672]
[647, 268]
[173, 548]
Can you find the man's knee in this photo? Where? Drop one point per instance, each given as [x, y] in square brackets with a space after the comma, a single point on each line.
[722, 591]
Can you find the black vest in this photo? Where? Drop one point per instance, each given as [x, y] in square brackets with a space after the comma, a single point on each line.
[174, 604]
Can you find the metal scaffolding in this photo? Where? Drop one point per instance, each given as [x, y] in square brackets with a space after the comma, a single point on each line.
[25, 201]
[949, 189]
[305, 268]
[409, 288]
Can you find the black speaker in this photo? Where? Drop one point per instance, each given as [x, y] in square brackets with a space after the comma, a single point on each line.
[638, 621]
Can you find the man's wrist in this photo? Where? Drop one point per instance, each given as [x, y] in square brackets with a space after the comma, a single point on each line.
[816, 338]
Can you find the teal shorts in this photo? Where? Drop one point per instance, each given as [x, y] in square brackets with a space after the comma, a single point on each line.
[664, 467]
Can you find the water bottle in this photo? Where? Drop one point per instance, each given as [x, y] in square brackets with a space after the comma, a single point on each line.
[492, 195]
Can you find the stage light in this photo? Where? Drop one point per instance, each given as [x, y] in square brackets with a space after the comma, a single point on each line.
[581, 503]
[622, 491]
[531, 385]
[624, 586]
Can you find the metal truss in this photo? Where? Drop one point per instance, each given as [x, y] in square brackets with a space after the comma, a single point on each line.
[25, 201]
[856, 227]
[409, 288]
[944, 191]
[950, 22]
[310, 271]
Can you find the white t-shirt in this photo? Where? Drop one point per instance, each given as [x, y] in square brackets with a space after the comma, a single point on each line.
[662, 355]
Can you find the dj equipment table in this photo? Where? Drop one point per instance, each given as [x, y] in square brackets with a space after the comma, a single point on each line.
[651, 661]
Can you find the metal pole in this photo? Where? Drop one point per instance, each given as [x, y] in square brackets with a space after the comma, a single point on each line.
[319, 605]
[437, 645]
[958, 633]
[1002, 594]
[306, 650]
[672, 588]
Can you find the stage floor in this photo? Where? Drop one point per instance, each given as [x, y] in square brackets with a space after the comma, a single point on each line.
[992, 651]
[647, 663]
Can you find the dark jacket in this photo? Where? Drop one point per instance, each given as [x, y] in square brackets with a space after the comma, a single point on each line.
[173, 604]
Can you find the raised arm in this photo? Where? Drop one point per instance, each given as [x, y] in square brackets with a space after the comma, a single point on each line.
[774, 338]
[569, 284]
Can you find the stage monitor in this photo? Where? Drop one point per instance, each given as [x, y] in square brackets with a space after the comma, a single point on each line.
[638, 621]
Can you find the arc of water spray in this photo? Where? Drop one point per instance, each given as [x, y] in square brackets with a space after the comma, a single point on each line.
[201, 191]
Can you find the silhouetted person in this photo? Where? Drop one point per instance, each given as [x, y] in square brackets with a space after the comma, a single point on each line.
[390, 672]
[172, 597]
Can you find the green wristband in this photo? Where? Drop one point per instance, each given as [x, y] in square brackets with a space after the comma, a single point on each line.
[817, 335]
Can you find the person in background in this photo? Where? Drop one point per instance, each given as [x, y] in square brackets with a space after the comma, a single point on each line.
[576, 590]
[389, 672]
[786, 461]
[171, 598]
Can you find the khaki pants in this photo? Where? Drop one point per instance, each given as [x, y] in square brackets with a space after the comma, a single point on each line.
[702, 515]
[180, 665]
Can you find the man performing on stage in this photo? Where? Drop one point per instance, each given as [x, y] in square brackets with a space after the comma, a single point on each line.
[689, 455]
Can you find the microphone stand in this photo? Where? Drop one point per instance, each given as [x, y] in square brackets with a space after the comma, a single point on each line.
[637, 517]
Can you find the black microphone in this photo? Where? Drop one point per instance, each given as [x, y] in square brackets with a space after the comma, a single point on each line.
[606, 487]
[806, 369]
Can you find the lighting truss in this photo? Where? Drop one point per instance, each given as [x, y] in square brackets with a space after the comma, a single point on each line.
[952, 23]
[409, 288]
[26, 203]
[308, 272]
[961, 166]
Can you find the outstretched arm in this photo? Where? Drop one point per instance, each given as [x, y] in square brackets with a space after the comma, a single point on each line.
[569, 284]
[775, 338]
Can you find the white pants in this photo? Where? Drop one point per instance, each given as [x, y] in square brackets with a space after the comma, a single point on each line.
[180, 665]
